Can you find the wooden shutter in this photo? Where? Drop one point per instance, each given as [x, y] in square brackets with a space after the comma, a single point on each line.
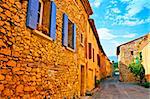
[65, 30]
[52, 29]
[93, 55]
[32, 13]
[98, 60]
[74, 37]
[90, 50]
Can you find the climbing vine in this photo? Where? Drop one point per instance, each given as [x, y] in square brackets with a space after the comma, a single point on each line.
[137, 68]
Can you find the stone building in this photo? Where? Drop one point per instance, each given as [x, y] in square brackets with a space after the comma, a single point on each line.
[98, 65]
[93, 56]
[109, 69]
[130, 50]
[105, 66]
[44, 48]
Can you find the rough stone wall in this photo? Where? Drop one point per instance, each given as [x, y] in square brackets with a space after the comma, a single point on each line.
[32, 66]
[126, 58]
[108, 68]
[125, 74]
[92, 66]
[103, 65]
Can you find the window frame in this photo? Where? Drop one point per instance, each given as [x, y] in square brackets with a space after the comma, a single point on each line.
[40, 25]
[71, 23]
[65, 33]
[41, 13]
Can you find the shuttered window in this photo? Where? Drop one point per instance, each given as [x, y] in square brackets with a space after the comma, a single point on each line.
[52, 29]
[32, 14]
[98, 60]
[41, 15]
[69, 33]
[90, 50]
[82, 39]
[93, 55]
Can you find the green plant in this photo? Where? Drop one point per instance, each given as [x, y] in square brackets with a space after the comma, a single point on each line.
[115, 65]
[145, 84]
[98, 82]
[137, 68]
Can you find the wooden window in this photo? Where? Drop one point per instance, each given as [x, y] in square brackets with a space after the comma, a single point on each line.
[98, 60]
[90, 50]
[82, 39]
[41, 15]
[69, 33]
[140, 55]
[132, 52]
[32, 14]
[46, 17]
[93, 55]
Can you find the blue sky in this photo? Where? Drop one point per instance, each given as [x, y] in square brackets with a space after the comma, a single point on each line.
[119, 21]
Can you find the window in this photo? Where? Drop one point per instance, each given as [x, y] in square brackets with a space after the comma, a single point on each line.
[90, 50]
[98, 60]
[93, 55]
[40, 12]
[41, 15]
[140, 55]
[132, 53]
[82, 40]
[69, 33]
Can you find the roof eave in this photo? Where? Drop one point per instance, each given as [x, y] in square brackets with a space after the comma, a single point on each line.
[87, 7]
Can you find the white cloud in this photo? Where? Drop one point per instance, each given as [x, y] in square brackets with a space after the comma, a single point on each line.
[106, 34]
[129, 35]
[125, 0]
[128, 18]
[115, 10]
[132, 23]
[135, 6]
[113, 2]
[96, 3]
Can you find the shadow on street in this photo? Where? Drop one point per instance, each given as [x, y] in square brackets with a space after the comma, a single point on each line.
[112, 88]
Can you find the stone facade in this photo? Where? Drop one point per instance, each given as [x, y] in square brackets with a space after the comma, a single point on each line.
[105, 66]
[98, 65]
[126, 52]
[92, 61]
[32, 64]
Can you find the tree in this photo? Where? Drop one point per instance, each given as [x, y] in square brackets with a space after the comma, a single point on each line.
[137, 68]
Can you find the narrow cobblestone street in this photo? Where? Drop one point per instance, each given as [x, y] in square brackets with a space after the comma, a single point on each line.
[113, 89]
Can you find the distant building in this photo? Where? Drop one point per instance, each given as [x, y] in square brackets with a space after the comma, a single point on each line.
[126, 52]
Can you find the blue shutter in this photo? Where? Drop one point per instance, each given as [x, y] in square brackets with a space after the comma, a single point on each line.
[74, 36]
[32, 13]
[65, 30]
[52, 29]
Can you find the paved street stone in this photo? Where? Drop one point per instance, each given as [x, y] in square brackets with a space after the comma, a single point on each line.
[113, 89]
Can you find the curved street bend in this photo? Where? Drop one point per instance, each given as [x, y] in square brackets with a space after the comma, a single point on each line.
[113, 89]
